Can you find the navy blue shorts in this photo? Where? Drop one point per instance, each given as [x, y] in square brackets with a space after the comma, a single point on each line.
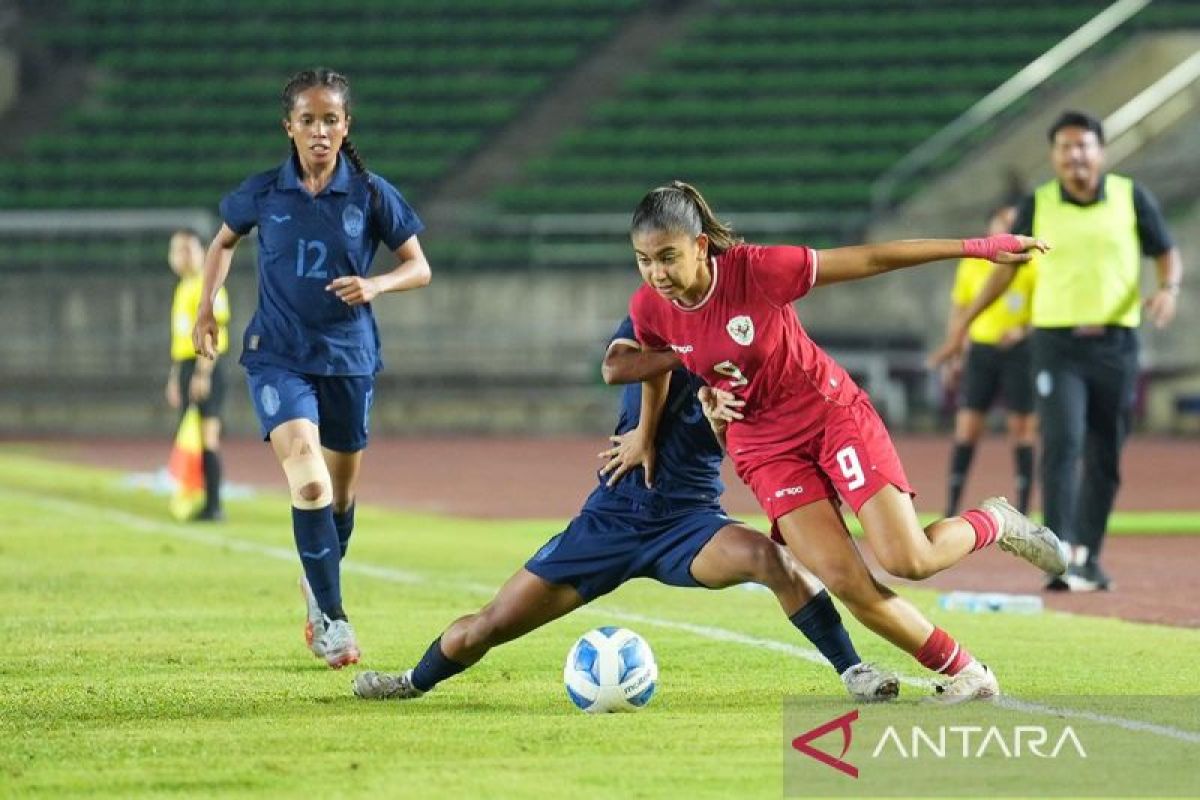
[340, 406]
[615, 539]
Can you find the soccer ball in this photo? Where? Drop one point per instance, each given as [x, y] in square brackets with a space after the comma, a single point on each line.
[610, 669]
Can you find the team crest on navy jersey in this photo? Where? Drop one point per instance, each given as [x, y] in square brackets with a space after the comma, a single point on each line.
[352, 221]
[741, 330]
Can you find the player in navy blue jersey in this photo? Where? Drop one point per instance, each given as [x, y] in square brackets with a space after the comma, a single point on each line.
[673, 531]
[311, 351]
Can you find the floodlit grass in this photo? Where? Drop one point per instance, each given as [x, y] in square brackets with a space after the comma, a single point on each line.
[142, 657]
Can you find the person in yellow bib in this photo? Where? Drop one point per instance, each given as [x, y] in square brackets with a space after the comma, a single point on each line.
[1085, 315]
[998, 363]
[192, 381]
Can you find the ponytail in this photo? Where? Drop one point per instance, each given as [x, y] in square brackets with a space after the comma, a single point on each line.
[360, 167]
[679, 207]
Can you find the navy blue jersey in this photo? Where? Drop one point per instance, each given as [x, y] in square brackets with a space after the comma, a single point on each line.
[688, 466]
[304, 242]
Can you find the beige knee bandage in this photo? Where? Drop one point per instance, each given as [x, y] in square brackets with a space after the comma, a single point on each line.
[308, 481]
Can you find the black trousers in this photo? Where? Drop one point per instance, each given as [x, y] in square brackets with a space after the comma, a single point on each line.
[1085, 387]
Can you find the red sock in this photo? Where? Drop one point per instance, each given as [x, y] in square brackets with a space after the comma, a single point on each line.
[985, 526]
[941, 653]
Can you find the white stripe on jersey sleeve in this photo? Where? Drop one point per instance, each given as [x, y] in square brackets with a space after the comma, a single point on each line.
[631, 342]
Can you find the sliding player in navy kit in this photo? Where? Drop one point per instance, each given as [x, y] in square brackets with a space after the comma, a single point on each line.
[311, 351]
[674, 531]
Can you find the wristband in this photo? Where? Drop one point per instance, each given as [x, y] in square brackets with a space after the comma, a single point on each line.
[990, 246]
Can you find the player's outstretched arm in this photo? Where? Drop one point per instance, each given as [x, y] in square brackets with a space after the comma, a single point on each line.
[216, 269]
[867, 260]
[627, 362]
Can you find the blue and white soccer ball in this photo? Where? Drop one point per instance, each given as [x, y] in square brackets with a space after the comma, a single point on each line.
[610, 669]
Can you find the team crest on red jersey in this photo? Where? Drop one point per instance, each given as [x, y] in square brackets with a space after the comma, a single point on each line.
[741, 330]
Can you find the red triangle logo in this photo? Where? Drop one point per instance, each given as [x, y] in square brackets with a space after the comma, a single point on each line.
[802, 743]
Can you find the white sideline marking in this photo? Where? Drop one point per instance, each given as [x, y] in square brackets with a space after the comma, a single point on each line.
[392, 575]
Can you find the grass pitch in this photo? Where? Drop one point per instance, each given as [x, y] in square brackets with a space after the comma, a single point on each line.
[144, 658]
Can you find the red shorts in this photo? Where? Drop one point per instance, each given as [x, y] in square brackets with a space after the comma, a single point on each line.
[850, 455]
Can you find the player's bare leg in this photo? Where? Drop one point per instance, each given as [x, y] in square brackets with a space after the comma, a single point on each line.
[739, 554]
[524, 603]
[343, 471]
[903, 548]
[907, 550]
[817, 536]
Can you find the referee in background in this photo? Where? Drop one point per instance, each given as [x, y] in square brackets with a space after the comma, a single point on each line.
[1086, 309]
[998, 363]
[198, 381]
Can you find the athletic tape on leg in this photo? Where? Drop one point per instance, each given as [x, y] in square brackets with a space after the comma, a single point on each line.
[304, 472]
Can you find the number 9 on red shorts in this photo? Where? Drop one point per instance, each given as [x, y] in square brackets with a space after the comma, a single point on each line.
[851, 455]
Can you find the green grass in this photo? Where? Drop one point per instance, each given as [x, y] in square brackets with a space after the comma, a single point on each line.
[141, 657]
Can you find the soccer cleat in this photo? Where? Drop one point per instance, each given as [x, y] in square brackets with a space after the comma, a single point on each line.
[1088, 577]
[314, 624]
[1022, 537]
[338, 643]
[867, 683]
[974, 682]
[381, 686]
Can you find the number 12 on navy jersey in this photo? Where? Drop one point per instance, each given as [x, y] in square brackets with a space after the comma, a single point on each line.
[316, 269]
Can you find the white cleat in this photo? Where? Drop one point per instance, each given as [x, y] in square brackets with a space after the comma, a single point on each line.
[338, 643]
[975, 682]
[1023, 537]
[381, 686]
[314, 625]
[867, 683]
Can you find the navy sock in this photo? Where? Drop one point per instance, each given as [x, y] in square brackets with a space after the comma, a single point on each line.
[434, 667]
[960, 463]
[344, 522]
[317, 544]
[1023, 460]
[821, 624]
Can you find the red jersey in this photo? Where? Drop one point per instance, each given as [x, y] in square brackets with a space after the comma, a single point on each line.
[744, 337]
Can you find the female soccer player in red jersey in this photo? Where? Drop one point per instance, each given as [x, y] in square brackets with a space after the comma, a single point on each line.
[800, 431]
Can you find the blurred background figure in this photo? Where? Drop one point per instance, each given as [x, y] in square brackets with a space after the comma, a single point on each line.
[1086, 312]
[997, 364]
[192, 381]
